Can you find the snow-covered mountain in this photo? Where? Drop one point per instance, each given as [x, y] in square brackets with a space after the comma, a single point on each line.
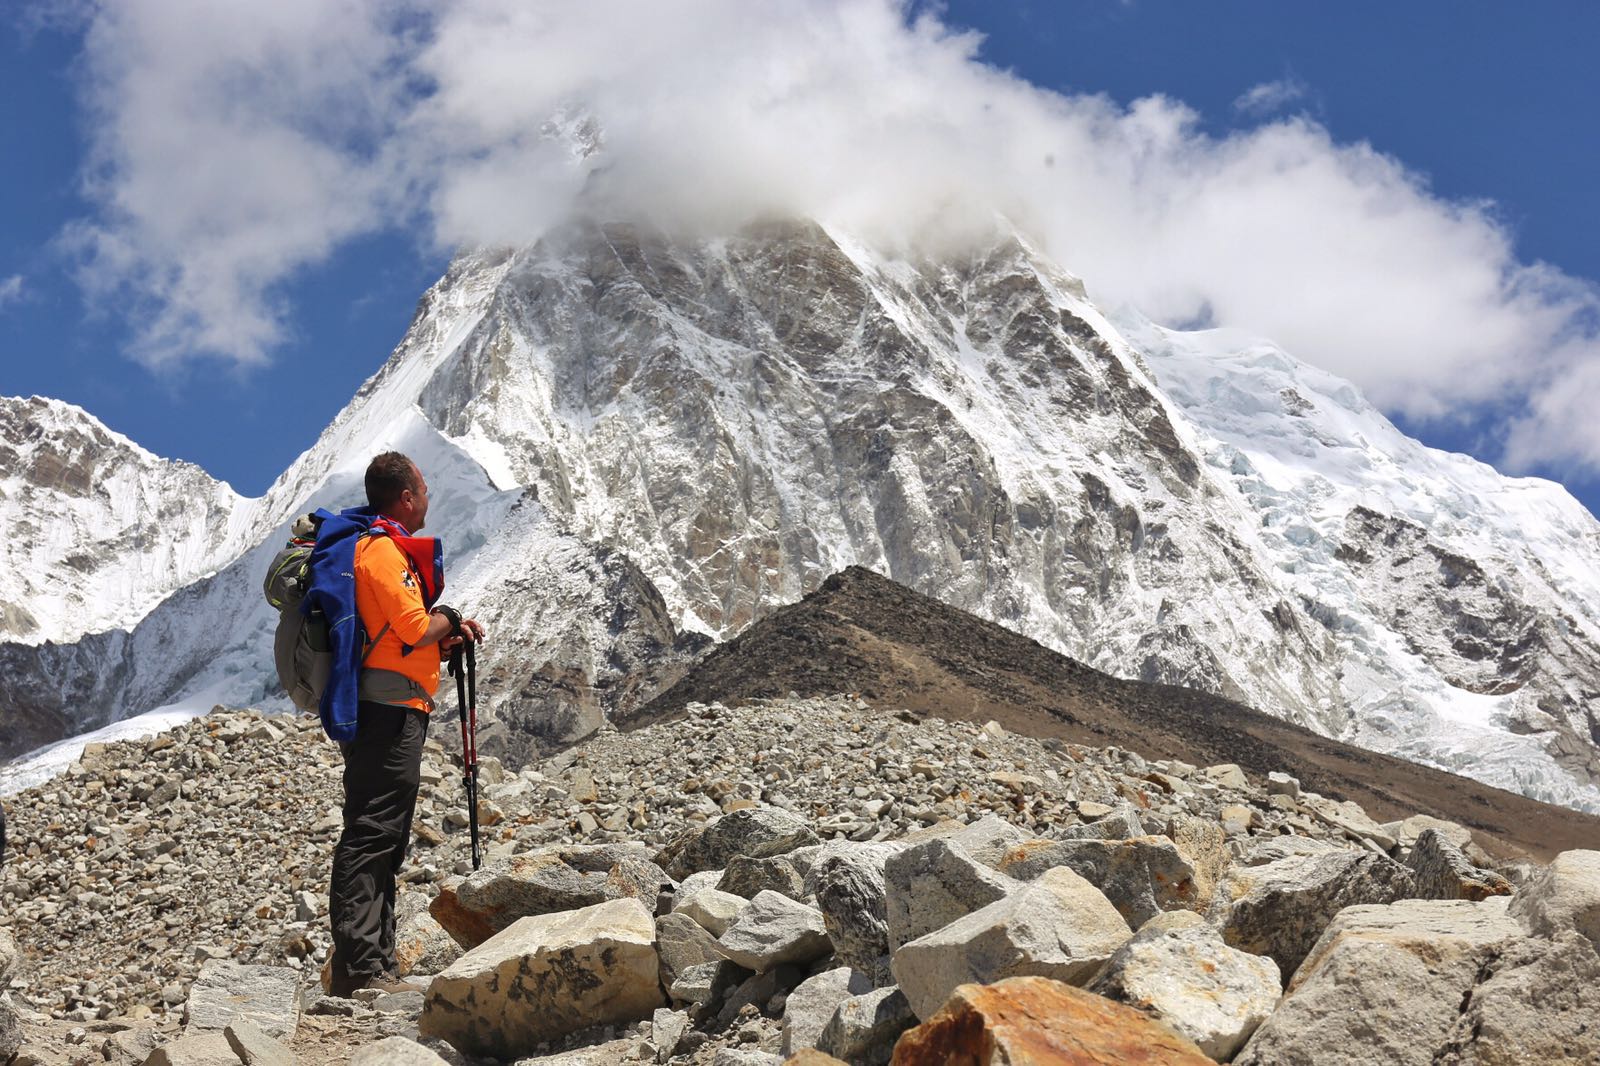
[632, 438]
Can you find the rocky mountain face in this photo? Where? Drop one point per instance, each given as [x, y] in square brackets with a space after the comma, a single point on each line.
[720, 425]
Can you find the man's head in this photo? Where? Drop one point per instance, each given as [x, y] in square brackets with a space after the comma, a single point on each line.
[395, 488]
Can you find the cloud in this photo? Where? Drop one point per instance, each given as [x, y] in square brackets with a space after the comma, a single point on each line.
[11, 290]
[1270, 97]
[236, 144]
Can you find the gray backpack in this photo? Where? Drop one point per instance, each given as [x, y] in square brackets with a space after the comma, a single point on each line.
[300, 649]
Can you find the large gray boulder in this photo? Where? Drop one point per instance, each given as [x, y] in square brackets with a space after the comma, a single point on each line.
[773, 930]
[1141, 877]
[1383, 985]
[10, 1033]
[712, 908]
[1178, 970]
[852, 893]
[1443, 872]
[681, 943]
[547, 881]
[1123, 823]
[987, 839]
[1537, 1001]
[1280, 909]
[746, 877]
[10, 958]
[1059, 926]
[934, 883]
[225, 992]
[754, 832]
[396, 1051]
[864, 1028]
[809, 1008]
[207, 1048]
[1565, 895]
[545, 977]
[1203, 843]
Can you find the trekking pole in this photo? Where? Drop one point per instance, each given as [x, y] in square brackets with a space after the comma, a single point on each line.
[467, 695]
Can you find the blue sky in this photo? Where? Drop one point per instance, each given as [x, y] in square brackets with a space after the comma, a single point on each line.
[1481, 118]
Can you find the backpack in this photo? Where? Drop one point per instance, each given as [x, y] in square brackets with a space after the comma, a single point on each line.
[300, 648]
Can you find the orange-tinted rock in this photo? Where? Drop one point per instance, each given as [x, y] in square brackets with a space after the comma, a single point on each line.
[1034, 1021]
[812, 1057]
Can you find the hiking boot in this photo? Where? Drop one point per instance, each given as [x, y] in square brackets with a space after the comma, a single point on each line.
[388, 983]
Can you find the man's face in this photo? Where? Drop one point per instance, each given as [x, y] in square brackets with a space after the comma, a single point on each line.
[415, 502]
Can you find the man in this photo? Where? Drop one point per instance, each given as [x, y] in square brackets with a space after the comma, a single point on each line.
[383, 764]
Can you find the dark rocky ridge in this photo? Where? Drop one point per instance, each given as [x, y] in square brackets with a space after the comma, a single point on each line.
[862, 633]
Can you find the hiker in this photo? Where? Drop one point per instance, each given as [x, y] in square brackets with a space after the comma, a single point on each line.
[396, 577]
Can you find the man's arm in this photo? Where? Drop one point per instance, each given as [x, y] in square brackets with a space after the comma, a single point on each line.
[441, 631]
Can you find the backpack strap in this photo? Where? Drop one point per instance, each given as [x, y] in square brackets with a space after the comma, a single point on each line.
[368, 652]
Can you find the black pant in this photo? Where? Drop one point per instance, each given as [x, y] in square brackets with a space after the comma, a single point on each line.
[382, 772]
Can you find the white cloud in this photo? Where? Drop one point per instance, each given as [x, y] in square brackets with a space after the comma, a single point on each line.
[236, 144]
[1270, 97]
[11, 290]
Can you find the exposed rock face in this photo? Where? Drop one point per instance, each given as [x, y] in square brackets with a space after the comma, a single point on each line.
[1032, 1021]
[1141, 877]
[934, 883]
[1566, 895]
[1443, 872]
[755, 832]
[1535, 1002]
[851, 889]
[774, 930]
[547, 976]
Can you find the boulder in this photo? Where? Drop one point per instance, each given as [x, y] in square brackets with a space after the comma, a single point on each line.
[754, 832]
[666, 1029]
[209, 1048]
[1177, 969]
[812, 1057]
[1443, 872]
[547, 976]
[757, 989]
[698, 984]
[1281, 784]
[1059, 926]
[1280, 909]
[396, 1051]
[1406, 831]
[1205, 846]
[746, 877]
[225, 992]
[1227, 775]
[1262, 850]
[423, 946]
[772, 930]
[848, 883]
[1536, 1001]
[864, 1028]
[547, 881]
[1120, 823]
[1566, 895]
[712, 908]
[681, 943]
[735, 1056]
[1141, 877]
[1383, 985]
[10, 1033]
[1348, 816]
[10, 958]
[931, 885]
[256, 1048]
[812, 1004]
[987, 839]
[1032, 1021]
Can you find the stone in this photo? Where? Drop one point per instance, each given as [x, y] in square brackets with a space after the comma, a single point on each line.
[1033, 1021]
[812, 1057]
[1117, 823]
[1280, 909]
[730, 1056]
[696, 984]
[1536, 1001]
[746, 877]
[1281, 784]
[225, 992]
[10, 958]
[209, 1048]
[1407, 830]
[812, 1004]
[850, 889]
[772, 930]
[713, 909]
[1141, 877]
[755, 832]
[681, 942]
[1177, 969]
[1204, 845]
[666, 1029]
[1262, 850]
[10, 1033]
[423, 946]
[1227, 775]
[1349, 817]
[396, 1051]
[1443, 872]
[1383, 984]
[931, 885]
[864, 1028]
[987, 839]
[1059, 926]
[546, 881]
[546, 976]
[1566, 895]
[256, 1048]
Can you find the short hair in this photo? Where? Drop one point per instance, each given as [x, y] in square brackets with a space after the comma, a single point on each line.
[389, 475]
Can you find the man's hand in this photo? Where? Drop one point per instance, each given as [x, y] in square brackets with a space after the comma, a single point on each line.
[472, 632]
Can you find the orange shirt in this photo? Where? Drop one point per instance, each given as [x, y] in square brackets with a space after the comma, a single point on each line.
[388, 592]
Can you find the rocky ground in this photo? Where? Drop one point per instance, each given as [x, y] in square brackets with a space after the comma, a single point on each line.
[795, 871]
